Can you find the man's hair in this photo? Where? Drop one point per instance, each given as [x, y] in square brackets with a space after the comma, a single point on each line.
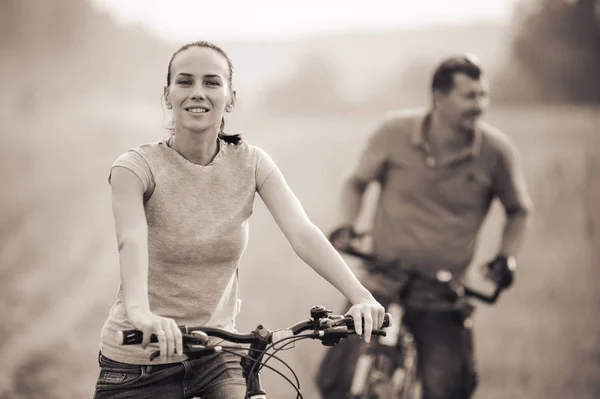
[443, 77]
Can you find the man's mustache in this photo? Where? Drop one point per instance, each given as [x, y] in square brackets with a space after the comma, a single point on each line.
[472, 114]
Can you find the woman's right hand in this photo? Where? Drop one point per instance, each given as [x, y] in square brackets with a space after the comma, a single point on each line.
[169, 336]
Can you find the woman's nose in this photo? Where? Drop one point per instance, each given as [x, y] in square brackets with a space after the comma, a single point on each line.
[198, 93]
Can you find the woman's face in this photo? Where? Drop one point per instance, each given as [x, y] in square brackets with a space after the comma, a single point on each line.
[199, 92]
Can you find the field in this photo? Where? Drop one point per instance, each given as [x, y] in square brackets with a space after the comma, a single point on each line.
[59, 269]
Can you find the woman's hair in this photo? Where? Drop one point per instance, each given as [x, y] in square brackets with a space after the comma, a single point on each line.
[228, 138]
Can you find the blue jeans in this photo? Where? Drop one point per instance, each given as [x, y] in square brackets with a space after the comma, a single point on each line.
[208, 377]
[446, 361]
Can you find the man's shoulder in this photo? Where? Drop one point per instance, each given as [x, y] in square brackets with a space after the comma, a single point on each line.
[400, 123]
[495, 140]
[404, 118]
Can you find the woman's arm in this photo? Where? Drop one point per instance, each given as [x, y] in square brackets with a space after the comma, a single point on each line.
[313, 247]
[132, 238]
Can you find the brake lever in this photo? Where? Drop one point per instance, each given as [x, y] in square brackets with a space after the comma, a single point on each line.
[333, 335]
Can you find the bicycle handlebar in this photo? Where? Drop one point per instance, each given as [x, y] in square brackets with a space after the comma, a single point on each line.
[135, 337]
[449, 280]
[324, 325]
[328, 328]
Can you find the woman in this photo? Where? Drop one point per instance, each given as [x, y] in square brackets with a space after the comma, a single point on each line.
[181, 208]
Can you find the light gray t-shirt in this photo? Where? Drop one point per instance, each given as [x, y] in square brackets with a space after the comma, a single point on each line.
[197, 232]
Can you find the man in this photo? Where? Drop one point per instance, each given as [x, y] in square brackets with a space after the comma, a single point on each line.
[439, 171]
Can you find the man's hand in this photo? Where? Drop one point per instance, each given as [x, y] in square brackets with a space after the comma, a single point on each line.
[341, 238]
[501, 270]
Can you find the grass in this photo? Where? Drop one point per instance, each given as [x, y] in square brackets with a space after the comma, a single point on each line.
[59, 267]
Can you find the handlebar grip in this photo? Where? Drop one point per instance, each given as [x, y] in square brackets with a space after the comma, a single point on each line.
[484, 297]
[132, 337]
[135, 337]
[387, 320]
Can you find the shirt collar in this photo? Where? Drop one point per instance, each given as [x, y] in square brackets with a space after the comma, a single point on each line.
[418, 138]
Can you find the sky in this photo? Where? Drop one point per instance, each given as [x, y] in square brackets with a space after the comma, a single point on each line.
[181, 20]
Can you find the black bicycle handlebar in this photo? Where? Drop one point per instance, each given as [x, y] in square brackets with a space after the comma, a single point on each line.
[135, 337]
[324, 326]
[418, 274]
[327, 328]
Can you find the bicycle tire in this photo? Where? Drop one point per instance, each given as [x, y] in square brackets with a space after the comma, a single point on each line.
[382, 383]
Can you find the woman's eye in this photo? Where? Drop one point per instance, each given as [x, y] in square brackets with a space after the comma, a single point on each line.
[185, 82]
[213, 83]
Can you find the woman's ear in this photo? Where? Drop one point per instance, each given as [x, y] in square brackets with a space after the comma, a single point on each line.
[231, 103]
[166, 96]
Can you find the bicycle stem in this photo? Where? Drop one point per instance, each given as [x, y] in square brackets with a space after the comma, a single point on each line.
[249, 365]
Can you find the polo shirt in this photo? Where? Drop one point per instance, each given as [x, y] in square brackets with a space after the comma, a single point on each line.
[429, 213]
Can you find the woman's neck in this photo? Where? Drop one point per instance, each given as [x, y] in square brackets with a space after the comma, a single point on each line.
[197, 147]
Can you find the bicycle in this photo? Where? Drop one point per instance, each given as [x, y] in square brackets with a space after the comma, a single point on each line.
[388, 368]
[324, 326]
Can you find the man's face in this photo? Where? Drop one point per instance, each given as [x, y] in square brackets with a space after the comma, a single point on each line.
[462, 106]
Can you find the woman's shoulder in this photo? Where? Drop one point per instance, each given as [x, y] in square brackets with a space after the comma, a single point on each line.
[152, 147]
[240, 147]
[250, 150]
[146, 150]
[246, 153]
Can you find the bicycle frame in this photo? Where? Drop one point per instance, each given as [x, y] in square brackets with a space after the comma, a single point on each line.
[367, 373]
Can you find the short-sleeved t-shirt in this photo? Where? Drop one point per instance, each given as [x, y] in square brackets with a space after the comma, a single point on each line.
[197, 232]
[429, 214]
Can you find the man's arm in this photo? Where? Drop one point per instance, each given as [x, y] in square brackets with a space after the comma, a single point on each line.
[351, 201]
[511, 188]
[517, 221]
[370, 167]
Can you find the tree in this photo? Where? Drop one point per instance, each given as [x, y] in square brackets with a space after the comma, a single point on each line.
[557, 44]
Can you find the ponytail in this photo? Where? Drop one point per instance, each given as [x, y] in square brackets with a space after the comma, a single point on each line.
[228, 138]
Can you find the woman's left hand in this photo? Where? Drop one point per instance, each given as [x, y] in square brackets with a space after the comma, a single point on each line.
[371, 312]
